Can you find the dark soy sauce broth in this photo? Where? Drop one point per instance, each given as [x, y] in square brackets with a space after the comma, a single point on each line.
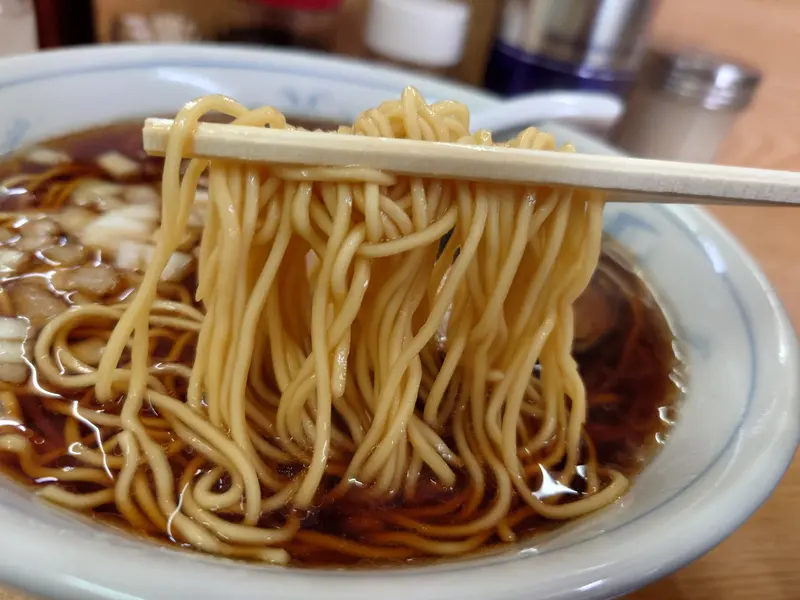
[624, 348]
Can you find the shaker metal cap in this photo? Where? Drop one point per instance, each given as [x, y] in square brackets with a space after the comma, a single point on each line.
[711, 80]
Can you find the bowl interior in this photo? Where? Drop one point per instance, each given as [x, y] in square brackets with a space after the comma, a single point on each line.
[737, 423]
[100, 87]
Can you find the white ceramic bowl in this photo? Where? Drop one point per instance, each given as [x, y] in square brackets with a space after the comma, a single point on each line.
[738, 424]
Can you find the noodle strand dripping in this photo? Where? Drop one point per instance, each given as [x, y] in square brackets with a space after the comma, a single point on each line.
[355, 335]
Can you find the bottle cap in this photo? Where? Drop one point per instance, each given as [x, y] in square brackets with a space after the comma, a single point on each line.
[701, 77]
[428, 33]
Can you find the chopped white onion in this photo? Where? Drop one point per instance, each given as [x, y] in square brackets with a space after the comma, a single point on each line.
[141, 212]
[66, 256]
[36, 303]
[11, 351]
[39, 227]
[102, 195]
[74, 220]
[95, 280]
[178, 267]
[118, 165]
[201, 196]
[107, 203]
[33, 243]
[135, 222]
[141, 194]
[46, 156]
[13, 332]
[10, 260]
[135, 256]
[13, 372]
[107, 235]
[197, 218]
[13, 328]
[100, 187]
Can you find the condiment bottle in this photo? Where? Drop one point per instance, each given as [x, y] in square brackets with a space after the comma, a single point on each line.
[301, 23]
[684, 104]
[17, 27]
[568, 45]
[426, 35]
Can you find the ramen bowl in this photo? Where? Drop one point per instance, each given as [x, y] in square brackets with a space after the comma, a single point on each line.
[737, 424]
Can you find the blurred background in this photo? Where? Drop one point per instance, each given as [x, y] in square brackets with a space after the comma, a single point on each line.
[689, 72]
[706, 81]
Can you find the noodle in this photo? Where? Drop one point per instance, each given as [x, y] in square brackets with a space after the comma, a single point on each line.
[342, 350]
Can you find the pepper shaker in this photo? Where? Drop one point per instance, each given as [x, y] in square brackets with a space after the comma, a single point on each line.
[684, 105]
[17, 27]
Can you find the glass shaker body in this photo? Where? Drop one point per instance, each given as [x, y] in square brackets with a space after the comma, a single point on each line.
[668, 128]
[18, 33]
[684, 105]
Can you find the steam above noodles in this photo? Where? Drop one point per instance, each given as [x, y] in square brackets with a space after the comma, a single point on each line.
[340, 350]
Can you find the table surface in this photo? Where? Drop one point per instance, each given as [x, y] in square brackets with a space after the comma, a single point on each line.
[760, 560]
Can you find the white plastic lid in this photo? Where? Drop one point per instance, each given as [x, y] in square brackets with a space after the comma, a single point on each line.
[428, 33]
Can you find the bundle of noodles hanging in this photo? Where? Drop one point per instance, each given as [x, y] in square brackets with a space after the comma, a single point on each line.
[345, 357]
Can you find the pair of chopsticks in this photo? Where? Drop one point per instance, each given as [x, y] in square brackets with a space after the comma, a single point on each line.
[629, 179]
